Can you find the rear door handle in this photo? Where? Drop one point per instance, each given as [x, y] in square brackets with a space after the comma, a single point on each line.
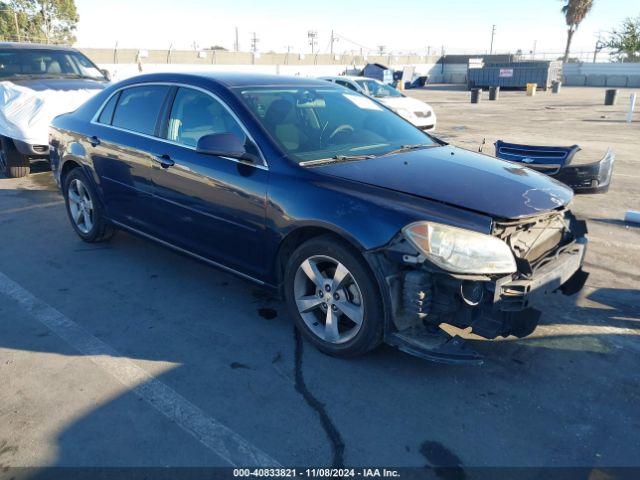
[94, 141]
[164, 161]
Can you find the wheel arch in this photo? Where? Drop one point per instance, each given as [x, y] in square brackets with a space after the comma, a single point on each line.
[296, 237]
[67, 166]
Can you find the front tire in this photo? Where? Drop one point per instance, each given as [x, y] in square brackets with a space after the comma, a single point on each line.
[84, 208]
[334, 298]
[13, 163]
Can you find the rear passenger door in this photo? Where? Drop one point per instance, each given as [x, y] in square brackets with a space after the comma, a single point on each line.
[209, 205]
[126, 134]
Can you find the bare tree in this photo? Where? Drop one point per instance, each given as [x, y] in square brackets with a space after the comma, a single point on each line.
[574, 13]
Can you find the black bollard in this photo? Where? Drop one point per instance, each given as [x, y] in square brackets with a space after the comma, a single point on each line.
[610, 97]
[494, 93]
[475, 95]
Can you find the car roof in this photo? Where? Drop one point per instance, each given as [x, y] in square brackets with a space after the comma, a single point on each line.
[231, 79]
[34, 46]
[347, 77]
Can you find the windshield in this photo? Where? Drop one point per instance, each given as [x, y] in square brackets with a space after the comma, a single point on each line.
[324, 123]
[378, 89]
[34, 63]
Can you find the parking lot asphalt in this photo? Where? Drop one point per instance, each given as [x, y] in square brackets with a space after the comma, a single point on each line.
[127, 354]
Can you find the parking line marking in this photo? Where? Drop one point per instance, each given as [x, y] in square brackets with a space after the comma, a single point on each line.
[32, 207]
[207, 430]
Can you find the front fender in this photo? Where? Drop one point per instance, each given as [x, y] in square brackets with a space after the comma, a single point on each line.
[368, 217]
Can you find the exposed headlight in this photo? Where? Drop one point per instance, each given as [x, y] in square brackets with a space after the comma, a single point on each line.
[460, 251]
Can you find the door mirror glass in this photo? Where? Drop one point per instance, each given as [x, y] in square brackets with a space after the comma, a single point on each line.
[224, 145]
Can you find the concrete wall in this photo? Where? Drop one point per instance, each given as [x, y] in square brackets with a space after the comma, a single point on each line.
[123, 63]
[602, 74]
[437, 74]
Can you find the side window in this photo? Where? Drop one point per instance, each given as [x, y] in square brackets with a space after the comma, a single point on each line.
[139, 107]
[107, 112]
[195, 114]
[346, 84]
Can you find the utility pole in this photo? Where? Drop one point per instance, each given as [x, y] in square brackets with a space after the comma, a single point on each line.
[333, 39]
[15, 17]
[254, 42]
[533, 52]
[45, 21]
[236, 44]
[312, 35]
[599, 46]
[493, 34]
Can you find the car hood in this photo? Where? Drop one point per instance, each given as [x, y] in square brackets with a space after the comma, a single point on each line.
[460, 178]
[409, 104]
[41, 84]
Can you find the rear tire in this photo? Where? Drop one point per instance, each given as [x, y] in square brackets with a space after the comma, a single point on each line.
[84, 208]
[13, 163]
[353, 304]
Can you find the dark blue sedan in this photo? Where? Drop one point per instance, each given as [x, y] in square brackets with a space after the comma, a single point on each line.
[370, 228]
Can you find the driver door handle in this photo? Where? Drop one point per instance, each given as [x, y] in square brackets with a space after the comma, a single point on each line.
[164, 161]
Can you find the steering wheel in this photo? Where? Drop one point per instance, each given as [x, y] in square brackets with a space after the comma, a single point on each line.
[341, 128]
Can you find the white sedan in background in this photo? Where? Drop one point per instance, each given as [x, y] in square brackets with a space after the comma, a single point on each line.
[411, 109]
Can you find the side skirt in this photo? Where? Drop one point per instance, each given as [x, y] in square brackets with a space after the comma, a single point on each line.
[190, 254]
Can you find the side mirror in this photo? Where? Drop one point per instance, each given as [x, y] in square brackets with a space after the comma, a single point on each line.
[106, 74]
[224, 145]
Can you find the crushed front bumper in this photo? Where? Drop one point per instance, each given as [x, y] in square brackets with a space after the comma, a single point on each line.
[565, 265]
[424, 297]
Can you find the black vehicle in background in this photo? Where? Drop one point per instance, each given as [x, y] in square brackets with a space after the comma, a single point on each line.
[40, 67]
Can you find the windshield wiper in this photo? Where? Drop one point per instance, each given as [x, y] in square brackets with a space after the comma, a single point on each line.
[406, 148]
[337, 158]
[79, 76]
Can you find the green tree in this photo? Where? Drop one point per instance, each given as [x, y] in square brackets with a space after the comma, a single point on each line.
[574, 13]
[625, 41]
[48, 21]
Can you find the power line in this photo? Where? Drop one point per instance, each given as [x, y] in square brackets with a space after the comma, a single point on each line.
[353, 42]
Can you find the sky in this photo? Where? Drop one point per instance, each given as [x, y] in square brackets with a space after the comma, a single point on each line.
[401, 26]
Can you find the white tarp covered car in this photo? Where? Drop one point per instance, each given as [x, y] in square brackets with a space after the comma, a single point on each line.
[419, 113]
[38, 83]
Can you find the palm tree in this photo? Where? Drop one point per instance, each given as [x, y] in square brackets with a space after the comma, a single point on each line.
[574, 12]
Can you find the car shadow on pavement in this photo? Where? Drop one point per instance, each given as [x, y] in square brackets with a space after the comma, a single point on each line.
[228, 347]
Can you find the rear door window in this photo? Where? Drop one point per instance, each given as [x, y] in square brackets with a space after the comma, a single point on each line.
[139, 107]
[107, 112]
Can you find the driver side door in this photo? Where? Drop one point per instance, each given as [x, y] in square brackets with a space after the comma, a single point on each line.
[209, 205]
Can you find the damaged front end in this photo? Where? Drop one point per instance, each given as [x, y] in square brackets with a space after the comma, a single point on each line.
[548, 250]
[556, 162]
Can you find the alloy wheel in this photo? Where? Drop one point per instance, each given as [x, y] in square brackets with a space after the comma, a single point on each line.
[80, 206]
[329, 299]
